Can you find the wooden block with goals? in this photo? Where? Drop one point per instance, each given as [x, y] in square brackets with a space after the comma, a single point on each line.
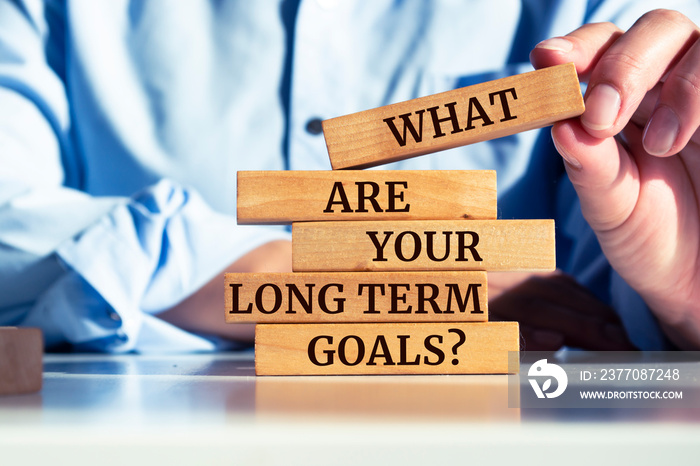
[356, 297]
[279, 197]
[490, 245]
[454, 118]
[402, 348]
[21, 352]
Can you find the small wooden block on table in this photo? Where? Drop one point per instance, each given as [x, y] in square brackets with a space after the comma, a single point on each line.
[279, 197]
[356, 297]
[455, 118]
[490, 245]
[405, 348]
[21, 352]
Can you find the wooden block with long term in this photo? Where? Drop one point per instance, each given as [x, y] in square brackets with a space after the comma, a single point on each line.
[356, 297]
[278, 197]
[454, 118]
[490, 245]
[406, 348]
[21, 369]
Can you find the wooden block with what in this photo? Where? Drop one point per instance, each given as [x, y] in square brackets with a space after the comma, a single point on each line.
[490, 245]
[403, 348]
[454, 118]
[356, 297]
[21, 352]
[279, 197]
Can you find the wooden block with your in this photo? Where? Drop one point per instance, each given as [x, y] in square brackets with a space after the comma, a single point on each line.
[490, 245]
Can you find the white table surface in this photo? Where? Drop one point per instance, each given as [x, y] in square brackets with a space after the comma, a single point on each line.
[212, 409]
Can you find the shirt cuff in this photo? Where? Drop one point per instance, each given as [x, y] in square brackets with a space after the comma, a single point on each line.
[140, 259]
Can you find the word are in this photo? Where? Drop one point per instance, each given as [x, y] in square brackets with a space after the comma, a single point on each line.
[368, 191]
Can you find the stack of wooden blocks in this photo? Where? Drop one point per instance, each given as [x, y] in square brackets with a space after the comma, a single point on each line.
[389, 267]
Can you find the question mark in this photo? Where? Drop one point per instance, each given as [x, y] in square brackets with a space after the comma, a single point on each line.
[462, 339]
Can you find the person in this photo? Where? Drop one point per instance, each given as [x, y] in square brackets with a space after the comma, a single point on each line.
[123, 123]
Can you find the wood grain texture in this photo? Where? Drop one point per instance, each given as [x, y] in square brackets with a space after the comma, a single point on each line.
[279, 197]
[356, 297]
[407, 348]
[490, 245]
[480, 112]
[21, 352]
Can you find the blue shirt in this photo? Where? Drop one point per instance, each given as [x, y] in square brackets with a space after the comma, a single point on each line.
[123, 124]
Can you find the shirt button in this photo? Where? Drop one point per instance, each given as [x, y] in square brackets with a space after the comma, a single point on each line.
[314, 126]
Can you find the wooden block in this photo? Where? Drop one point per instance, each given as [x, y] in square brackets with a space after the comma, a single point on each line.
[455, 118]
[21, 351]
[356, 297]
[408, 348]
[491, 245]
[269, 197]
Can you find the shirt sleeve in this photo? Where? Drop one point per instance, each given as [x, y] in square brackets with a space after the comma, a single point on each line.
[160, 246]
[92, 272]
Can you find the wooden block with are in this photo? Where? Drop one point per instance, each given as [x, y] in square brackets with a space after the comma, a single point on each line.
[455, 118]
[21, 351]
[406, 348]
[356, 297]
[490, 245]
[279, 197]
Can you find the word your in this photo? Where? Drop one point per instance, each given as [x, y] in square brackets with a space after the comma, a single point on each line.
[413, 242]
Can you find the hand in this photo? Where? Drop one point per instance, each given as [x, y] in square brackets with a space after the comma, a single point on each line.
[203, 312]
[553, 311]
[634, 156]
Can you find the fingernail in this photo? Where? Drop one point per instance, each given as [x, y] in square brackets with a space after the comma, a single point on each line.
[602, 107]
[661, 131]
[558, 44]
[568, 158]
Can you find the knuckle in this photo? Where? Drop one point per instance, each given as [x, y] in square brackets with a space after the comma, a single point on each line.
[622, 68]
[685, 85]
[604, 26]
[667, 16]
[611, 27]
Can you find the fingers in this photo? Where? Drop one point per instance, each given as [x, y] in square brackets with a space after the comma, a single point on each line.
[608, 185]
[555, 311]
[622, 68]
[583, 47]
[534, 339]
[676, 117]
[631, 66]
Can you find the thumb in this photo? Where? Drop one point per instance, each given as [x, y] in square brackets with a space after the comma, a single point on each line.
[604, 175]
